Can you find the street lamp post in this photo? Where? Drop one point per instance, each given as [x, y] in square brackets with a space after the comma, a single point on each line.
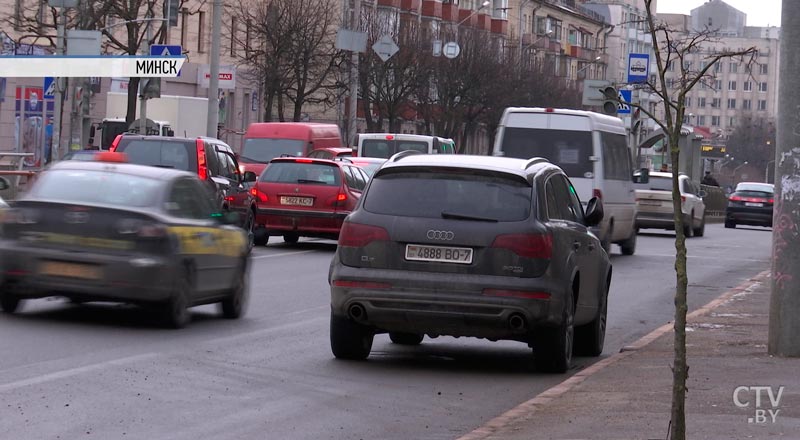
[483, 5]
[587, 66]
[737, 169]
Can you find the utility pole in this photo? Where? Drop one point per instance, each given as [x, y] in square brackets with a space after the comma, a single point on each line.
[355, 25]
[143, 82]
[213, 81]
[55, 142]
[784, 313]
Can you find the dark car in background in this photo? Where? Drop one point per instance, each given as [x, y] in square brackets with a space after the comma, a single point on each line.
[111, 231]
[750, 203]
[212, 160]
[487, 247]
[305, 197]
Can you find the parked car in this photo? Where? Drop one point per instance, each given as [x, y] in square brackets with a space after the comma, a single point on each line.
[265, 141]
[305, 197]
[331, 153]
[368, 164]
[420, 257]
[655, 208]
[211, 159]
[592, 149]
[109, 231]
[751, 203]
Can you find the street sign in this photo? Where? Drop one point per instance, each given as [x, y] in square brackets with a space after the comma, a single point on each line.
[451, 49]
[83, 42]
[166, 50]
[351, 41]
[638, 67]
[385, 47]
[49, 87]
[593, 91]
[622, 108]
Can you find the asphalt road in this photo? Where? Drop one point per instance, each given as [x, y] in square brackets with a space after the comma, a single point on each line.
[109, 372]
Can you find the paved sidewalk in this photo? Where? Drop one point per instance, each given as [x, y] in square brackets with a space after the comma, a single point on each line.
[628, 395]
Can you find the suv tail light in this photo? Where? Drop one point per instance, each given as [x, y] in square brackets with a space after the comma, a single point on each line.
[202, 165]
[115, 144]
[358, 235]
[516, 293]
[526, 245]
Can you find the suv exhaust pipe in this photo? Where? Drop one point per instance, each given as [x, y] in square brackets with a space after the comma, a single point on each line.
[516, 322]
[357, 313]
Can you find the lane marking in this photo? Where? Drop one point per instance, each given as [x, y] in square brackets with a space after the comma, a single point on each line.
[283, 254]
[525, 409]
[36, 380]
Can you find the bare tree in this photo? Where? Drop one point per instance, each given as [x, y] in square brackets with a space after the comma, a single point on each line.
[672, 47]
[288, 47]
[753, 140]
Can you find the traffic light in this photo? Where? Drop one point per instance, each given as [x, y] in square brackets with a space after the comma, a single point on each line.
[610, 100]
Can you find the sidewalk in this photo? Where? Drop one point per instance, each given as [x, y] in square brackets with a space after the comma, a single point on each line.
[628, 395]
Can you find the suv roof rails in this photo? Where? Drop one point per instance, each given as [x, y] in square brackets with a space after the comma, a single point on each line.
[534, 161]
[403, 154]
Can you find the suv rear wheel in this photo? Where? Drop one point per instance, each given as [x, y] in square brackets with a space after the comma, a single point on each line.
[260, 236]
[590, 338]
[553, 345]
[349, 339]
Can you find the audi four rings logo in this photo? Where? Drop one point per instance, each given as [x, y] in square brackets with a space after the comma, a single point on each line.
[440, 235]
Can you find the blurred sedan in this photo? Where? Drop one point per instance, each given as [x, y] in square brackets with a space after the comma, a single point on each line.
[110, 231]
[750, 203]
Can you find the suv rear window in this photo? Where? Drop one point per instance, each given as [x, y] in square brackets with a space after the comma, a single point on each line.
[180, 155]
[300, 172]
[430, 193]
[88, 186]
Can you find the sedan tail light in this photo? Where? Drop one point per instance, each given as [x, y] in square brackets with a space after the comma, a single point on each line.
[358, 235]
[526, 245]
[20, 217]
[260, 196]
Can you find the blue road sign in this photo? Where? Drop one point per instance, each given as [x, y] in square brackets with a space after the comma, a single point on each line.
[622, 108]
[166, 50]
[49, 87]
[638, 67]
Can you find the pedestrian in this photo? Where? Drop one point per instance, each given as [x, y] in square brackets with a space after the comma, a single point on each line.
[709, 180]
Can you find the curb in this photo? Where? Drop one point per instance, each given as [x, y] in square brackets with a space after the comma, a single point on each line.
[525, 409]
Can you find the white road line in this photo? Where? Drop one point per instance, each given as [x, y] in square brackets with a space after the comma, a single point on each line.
[262, 332]
[283, 254]
[73, 372]
[708, 257]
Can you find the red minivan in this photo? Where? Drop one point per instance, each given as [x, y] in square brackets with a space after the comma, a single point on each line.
[265, 141]
[305, 197]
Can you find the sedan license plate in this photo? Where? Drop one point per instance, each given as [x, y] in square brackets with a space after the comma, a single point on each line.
[759, 205]
[650, 202]
[297, 201]
[70, 270]
[442, 254]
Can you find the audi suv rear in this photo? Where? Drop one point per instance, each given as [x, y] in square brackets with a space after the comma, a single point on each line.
[487, 247]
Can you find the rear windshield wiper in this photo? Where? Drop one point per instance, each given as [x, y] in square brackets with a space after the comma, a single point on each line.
[457, 216]
[321, 182]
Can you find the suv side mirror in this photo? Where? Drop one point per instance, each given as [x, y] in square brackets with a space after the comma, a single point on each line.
[594, 212]
[642, 177]
[249, 176]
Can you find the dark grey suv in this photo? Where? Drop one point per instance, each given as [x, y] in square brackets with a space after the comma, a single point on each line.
[488, 247]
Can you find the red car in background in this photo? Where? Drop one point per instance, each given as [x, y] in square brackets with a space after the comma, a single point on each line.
[305, 197]
[331, 153]
[368, 164]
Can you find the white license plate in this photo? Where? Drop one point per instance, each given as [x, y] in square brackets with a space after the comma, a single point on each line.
[442, 254]
[297, 201]
[760, 205]
[650, 202]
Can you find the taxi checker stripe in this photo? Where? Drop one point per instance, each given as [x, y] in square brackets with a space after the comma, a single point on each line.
[440, 235]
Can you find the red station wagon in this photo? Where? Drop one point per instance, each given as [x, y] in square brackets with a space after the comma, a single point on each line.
[306, 197]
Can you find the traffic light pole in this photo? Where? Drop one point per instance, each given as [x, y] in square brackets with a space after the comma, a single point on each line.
[784, 313]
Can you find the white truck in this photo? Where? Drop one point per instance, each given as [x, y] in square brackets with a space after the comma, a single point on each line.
[184, 116]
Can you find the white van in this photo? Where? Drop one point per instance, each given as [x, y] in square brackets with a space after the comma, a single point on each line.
[386, 145]
[592, 149]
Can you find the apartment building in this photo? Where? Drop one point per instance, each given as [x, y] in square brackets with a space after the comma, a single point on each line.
[566, 37]
[737, 86]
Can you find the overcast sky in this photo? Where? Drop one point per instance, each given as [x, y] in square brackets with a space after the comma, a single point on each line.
[759, 12]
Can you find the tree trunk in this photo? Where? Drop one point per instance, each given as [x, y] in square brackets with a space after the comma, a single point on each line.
[133, 95]
[269, 104]
[680, 369]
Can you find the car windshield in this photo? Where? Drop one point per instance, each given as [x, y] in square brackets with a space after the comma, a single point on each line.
[301, 172]
[755, 188]
[168, 154]
[387, 148]
[265, 149]
[438, 193]
[97, 187]
[570, 150]
[80, 155]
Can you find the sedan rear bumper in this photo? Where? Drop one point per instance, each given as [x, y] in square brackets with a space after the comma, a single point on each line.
[749, 216]
[42, 272]
[301, 222]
